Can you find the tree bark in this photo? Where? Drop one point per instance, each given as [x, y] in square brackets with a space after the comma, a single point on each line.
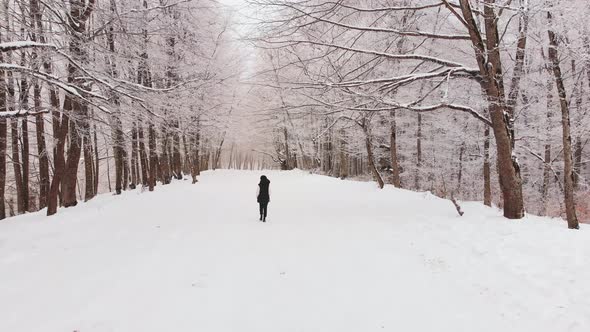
[370, 158]
[3, 143]
[116, 123]
[518, 72]
[25, 148]
[134, 157]
[59, 121]
[186, 163]
[395, 173]
[36, 27]
[487, 179]
[96, 160]
[460, 173]
[418, 153]
[143, 157]
[568, 174]
[118, 152]
[578, 153]
[177, 158]
[80, 12]
[165, 157]
[60, 132]
[546, 179]
[195, 158]
[42, 152]
[16, 164]
[88, 164]
[9, 104]
[343, 155]
[70, 174]
[153, 155]
[126, 170]
[490, 66]
[579, 145]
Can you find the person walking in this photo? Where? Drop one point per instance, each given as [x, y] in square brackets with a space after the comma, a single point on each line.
[263, 196]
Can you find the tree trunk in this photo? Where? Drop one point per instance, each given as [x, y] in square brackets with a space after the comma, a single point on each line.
[546, 179]
[16, 164]
[177, 158]
[217, 155]
[568, 174]
[490, 66]
[60, 132]
[70, 175]
[118, 152]
[3, 143]
[96, 165]
[578, 153]
[460, 173]
[88, 165]
[143, 155]
[9, 104]
[395, 174]
[288, 158]
[24, 105]
[579, 145]
[547, 147]
[79, 15]
[25, 163]
[153, 156]
[343, 155]
[186, 164]
[195, 159]
[508, 167]
[108, 170]
[134, 148]
[41, 151]
[116, 123]
[165, 157]
[418, 153]
[487, 179]
[523, 25]
[37, 34]
[126, 170]
[54, 195]
[370, 157]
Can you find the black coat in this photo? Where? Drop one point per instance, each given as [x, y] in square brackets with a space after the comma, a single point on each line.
[263, 195]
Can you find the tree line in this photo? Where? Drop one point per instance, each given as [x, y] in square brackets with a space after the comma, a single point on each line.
[474, 99]
[136, 90]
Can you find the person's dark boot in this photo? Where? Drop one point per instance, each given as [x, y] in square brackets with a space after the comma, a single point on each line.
[264, 219]
[260, 217]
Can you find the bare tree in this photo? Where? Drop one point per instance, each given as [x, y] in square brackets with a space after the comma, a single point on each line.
[568, 174]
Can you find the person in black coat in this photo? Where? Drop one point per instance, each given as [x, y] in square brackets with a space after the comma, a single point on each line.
[263, 196]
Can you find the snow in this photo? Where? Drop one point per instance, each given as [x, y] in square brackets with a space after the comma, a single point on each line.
[21, 112]
[334, 256]
[8, 114]
[14, 45]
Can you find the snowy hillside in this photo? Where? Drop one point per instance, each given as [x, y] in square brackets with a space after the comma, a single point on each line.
[334, 256]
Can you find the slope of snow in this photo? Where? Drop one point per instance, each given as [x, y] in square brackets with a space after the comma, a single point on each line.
[334, 256]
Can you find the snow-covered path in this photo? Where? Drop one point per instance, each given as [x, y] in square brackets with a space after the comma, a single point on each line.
[334, 256]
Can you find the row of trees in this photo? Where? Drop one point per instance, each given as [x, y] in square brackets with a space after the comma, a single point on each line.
[89, 89]
[418, 94]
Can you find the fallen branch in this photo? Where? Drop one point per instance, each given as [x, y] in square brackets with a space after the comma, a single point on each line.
[457, 206]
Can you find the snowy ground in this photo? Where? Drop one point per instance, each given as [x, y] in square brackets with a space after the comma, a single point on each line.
[334, 256]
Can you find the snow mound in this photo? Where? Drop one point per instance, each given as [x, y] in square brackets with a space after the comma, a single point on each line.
[334, 256]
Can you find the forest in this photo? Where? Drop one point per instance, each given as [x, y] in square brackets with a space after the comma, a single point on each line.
[472, 100]
[103, 96]
[294, 165]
